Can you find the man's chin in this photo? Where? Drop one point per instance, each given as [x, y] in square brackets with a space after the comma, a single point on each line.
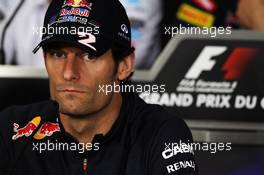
[73, 107]
[72, 112]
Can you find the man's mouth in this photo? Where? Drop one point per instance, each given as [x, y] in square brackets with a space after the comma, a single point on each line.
[72, 91]
[77, 89]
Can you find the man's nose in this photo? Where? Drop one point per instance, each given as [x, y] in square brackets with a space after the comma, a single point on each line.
[71, 68]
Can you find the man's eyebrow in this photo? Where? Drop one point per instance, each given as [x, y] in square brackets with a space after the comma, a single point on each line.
[54, 49]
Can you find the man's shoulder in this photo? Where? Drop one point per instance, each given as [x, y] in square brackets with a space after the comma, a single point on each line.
[153, 119]
[159, 120]
[22, 114]
[152, 113]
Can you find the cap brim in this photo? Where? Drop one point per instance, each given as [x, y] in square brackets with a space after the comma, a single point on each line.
[99, 48]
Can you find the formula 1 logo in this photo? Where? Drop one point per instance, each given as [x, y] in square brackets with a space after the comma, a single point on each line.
[204, 61]
[233, 68]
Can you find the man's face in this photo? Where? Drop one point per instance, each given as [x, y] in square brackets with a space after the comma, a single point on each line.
[75, 79]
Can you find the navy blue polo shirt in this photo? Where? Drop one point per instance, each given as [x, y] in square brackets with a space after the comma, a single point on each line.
[144, 140]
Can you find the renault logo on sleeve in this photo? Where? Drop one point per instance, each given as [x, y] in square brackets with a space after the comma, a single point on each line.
[124, 28]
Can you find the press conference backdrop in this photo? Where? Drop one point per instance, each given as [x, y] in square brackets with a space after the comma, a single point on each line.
[215, 84]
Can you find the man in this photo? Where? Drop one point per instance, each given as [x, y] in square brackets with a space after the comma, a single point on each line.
[23, 33]
[83, 130]
[145, 22]
[250, 14]
[6, 7]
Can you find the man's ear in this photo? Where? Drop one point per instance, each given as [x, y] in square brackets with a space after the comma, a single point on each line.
[125, 67]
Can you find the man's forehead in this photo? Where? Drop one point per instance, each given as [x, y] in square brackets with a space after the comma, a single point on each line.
[63, 46]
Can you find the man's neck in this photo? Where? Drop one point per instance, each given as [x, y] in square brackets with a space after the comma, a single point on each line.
[84, 129]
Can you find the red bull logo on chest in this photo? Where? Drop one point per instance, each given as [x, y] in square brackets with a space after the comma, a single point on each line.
[26, 130]
[46, 129]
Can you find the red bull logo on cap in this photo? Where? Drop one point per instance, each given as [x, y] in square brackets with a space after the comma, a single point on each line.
[77, 3]
[75, 11]
[26, 130]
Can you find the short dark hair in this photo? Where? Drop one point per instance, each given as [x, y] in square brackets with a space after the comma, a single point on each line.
[119, 53]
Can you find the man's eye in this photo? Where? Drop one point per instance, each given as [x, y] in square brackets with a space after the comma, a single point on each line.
[57, 54]
[88, 57]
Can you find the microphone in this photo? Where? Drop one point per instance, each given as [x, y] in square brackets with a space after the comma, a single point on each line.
[2, 52]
